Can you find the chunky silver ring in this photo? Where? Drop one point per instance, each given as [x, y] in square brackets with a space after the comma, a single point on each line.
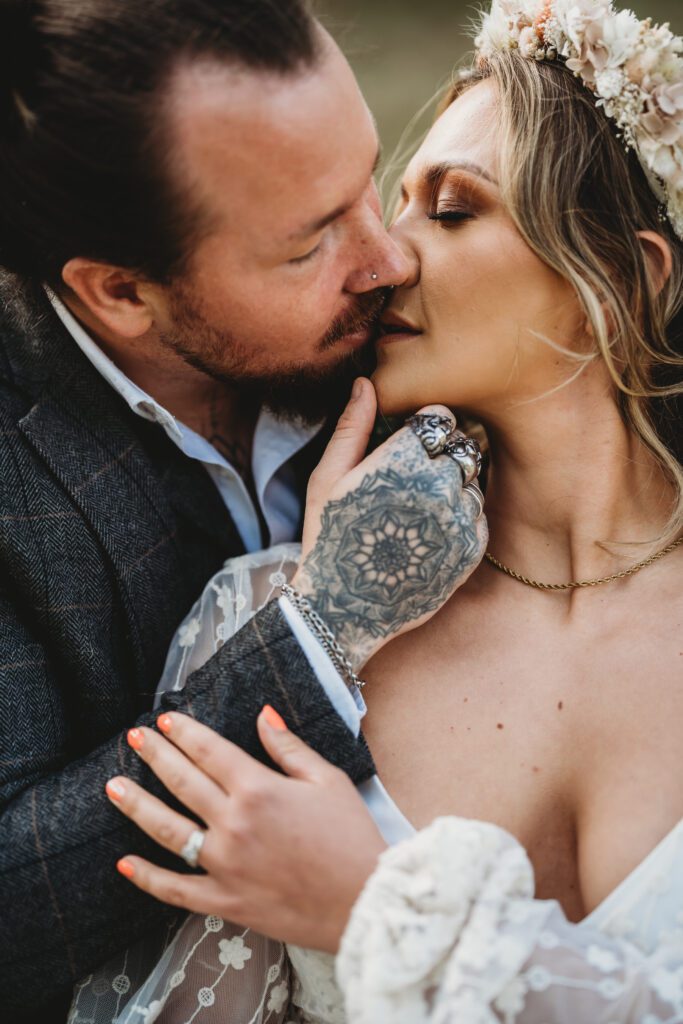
[433, 430]
[193, 847]
[476, 492]
[467, 453]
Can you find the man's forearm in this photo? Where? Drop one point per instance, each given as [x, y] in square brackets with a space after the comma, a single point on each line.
[65, 910]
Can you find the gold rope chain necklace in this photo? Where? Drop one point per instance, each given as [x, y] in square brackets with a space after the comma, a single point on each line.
[584, 583]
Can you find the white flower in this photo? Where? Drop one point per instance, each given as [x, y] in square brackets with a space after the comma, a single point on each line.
[511, 1000]
[278, 997]
[188, 633]
[609, 83]
[224, 598]
[610, 988]
[538, 978]
[667, 985]
[277, 579]
[151, 1012]
[603, 959]
[234, 953]
[213, 923]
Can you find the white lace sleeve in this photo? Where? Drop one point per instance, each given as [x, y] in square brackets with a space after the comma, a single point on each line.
[447, 930]
[209, 971]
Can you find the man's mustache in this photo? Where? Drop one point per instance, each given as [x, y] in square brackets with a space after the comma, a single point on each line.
[365, 313]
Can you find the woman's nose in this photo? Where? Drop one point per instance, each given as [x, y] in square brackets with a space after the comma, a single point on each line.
[400, 236]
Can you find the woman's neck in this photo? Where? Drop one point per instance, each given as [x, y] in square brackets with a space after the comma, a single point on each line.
[568, 476]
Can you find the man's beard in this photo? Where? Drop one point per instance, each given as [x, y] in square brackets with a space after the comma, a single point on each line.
[305, 393]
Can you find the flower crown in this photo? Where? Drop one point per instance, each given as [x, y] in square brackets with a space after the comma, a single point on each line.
[634, 68]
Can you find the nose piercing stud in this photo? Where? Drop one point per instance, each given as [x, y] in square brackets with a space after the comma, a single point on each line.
[374, 276]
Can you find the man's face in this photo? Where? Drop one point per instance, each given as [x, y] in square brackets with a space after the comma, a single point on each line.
[280, 292]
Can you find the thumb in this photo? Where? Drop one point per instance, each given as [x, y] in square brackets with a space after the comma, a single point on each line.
[348, 444]
[288, 751]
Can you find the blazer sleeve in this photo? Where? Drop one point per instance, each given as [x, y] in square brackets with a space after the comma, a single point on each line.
[64, 908]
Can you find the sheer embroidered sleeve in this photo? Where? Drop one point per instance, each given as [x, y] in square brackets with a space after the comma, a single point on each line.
[447, 929]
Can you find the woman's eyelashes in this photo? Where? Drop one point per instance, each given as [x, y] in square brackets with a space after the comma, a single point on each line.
[450, 216]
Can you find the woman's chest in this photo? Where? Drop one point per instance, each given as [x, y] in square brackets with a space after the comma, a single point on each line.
[576, 755]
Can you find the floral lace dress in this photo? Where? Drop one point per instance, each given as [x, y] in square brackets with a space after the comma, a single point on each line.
[446, 931]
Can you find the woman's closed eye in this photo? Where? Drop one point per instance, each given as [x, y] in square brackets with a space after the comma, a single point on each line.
[450, 216]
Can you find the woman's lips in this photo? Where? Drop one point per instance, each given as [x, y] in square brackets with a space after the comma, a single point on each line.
[396, 332]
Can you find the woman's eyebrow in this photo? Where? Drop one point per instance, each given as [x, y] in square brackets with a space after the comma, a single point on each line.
[434, 174]
[437, 172]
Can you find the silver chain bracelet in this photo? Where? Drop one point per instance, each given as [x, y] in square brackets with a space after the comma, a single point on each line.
[324, 635]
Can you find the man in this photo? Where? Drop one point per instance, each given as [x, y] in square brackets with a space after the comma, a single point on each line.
[191, 233]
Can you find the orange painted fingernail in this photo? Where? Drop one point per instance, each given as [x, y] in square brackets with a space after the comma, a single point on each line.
[115, 790]
[165, 723]
[136, 738]
[125, 868]
[273, 719]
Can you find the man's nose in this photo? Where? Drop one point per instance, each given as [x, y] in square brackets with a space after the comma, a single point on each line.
[383, 263]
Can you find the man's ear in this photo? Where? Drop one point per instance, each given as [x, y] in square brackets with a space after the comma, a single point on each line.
[115, 296]
[658, 258]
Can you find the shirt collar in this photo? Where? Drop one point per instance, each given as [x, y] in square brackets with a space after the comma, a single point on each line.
[282, 439]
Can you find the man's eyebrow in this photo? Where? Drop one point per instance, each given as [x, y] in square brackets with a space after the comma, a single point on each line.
[435, 174]
[318, 225]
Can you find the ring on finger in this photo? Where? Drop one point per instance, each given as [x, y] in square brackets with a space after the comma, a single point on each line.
[475, 491]
[433, 430]
[467, 453]
[193, 847]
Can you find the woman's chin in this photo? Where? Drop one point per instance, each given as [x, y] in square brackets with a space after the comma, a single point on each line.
[397, 394]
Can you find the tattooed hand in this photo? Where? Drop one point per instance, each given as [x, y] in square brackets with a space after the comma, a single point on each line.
[387, 540]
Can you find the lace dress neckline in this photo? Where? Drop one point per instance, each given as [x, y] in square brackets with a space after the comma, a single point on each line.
[615, 896]
[631, 880]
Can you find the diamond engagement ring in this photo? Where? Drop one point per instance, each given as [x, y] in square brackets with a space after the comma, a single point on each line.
[467, 453]
[433, 430]
[193, 847]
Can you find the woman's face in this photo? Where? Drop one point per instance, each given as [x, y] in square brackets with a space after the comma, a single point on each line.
[477, 293]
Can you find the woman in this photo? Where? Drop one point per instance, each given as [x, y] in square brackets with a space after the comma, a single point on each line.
[543, 217]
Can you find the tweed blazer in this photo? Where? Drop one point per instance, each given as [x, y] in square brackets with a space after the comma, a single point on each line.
[108, 533]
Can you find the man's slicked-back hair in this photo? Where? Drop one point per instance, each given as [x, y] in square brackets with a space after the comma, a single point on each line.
[85, 152]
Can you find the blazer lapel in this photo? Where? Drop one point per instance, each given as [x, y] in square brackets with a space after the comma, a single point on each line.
[98, 449]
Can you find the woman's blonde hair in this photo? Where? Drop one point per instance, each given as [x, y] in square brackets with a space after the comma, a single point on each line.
[579, 197]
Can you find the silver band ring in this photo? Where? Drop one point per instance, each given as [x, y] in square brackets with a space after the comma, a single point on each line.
[475, 491]
[433, 430]
[193, 847]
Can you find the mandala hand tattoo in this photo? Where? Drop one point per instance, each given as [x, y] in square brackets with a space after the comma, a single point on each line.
[391, 551]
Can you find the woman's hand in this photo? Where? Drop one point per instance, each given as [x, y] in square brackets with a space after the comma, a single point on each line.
[286, 855]
[388, 539]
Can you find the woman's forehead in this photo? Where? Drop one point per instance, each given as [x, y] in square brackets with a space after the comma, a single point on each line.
[466, 132]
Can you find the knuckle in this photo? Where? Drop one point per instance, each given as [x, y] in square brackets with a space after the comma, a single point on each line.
[201, 750]
[166, 834]
[251, 797]
[173, 893]
[177, 782]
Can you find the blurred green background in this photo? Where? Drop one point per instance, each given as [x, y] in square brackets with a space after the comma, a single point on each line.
[403, 50]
